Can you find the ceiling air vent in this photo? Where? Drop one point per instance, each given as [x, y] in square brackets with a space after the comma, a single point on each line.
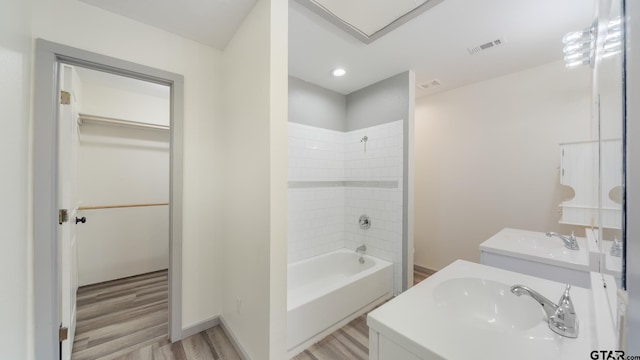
[488, 45]
[429, 84]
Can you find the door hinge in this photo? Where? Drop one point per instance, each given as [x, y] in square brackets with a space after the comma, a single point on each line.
[63, 216]
[65, 97]
[63, 333]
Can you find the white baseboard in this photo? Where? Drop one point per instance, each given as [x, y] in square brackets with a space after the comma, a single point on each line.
[424, 270]
[212, 322]
[234, 340]
[201, 326]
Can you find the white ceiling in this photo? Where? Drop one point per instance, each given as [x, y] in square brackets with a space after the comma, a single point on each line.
[210, 22]
[435, 43]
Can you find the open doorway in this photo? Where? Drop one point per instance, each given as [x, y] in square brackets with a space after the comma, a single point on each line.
[123, 176]
[104, 146]
[119, 183]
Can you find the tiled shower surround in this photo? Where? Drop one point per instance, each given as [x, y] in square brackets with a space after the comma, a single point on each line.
[333, 180]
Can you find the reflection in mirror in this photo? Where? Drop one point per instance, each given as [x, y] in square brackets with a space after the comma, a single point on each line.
[486, 151]
[608, 81]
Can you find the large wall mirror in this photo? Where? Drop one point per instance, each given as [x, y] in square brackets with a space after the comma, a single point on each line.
[594, 164]
[608, 107]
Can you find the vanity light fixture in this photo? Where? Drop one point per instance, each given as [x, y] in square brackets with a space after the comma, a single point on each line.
[580, 46]
[337, 72]
[613, 39]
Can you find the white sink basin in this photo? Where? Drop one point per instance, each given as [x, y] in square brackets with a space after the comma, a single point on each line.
[486, 304]
[538, 245]
[536, 254]
[545, 246]
[467, 311]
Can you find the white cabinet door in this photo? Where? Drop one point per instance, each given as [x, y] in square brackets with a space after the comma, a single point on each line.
[389, 350]
[381, 348]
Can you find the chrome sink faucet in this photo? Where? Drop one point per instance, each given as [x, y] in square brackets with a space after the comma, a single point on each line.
[616, 247]
[570, 242]
[561, 317]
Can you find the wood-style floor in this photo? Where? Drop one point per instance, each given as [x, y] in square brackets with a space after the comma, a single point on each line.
[127, 319]
[419, 276]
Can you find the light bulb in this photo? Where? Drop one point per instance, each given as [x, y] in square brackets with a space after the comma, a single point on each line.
[337, 72]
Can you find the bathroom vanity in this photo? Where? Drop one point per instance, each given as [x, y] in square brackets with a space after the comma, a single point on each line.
[467, 309]
[534, 253]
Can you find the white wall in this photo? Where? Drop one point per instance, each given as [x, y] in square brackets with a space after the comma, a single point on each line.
[255, 115]
[16, 274]
[122, 166]
[313, 105]
[76, 24]
[487, 157]
[379, 103]
[123, 98]
[119, 165]
[278, 96]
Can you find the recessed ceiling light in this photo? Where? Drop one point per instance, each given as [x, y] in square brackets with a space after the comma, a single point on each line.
[338, 72]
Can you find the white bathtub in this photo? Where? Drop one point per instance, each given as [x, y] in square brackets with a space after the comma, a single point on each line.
[327, 291]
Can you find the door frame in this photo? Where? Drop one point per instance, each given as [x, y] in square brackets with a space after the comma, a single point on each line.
[45, 183]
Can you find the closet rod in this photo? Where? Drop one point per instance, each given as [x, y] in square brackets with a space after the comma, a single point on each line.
[119, 206]
[120, 122]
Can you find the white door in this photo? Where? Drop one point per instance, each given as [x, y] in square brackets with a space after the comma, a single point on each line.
[67, 194]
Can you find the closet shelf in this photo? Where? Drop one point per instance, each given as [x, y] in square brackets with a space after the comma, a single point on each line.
[93, 119]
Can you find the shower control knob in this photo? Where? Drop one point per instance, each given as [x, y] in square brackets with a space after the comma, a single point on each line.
[364, 222]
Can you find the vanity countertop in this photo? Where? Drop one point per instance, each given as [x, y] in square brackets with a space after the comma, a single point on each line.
[432, 324]
[537, 247]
